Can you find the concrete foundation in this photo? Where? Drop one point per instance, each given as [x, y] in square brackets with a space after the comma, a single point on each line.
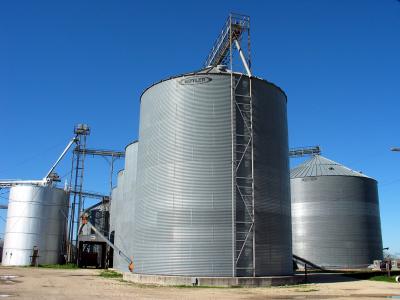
[212, 281]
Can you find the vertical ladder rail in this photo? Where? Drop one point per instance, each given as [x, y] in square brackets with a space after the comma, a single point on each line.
[80, 167]
[236, 28]
[81, 131]
[244, 180]
[243, 153]
[233, 136]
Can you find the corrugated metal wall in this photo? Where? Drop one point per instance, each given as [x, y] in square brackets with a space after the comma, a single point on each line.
[115, 219]
[36, 217]
[183, 214]
[336, 221]
[183, 206]
[122, 207]
[272, 183]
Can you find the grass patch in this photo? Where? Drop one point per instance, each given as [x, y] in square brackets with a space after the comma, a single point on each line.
[384, 278]
[205, 287]
[288, 286]
[374, 275]
[306, 290]
[59, 266]
[110, 274]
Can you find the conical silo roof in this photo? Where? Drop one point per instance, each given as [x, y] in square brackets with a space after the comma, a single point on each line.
[321, 166]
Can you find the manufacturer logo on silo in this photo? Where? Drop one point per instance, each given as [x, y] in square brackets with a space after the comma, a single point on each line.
[195, 80]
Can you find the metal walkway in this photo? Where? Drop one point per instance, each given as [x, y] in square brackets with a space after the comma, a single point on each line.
[232, 30]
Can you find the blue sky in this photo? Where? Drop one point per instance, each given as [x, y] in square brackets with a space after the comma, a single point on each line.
[65, 62]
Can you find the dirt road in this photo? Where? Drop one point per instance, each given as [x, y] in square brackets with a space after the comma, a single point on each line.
[40, 283]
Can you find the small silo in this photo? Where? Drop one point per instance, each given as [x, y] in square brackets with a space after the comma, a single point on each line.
[36, 217]
[335, 215]
[186, 202]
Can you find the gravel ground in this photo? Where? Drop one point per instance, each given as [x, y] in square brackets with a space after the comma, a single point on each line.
[41, 283]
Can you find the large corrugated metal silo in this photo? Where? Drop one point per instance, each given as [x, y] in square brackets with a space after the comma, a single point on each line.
[116, 206]
[185, 207]
[122, 207]
[335, 215]
[36, 217]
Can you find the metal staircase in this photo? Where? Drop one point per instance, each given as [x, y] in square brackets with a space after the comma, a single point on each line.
[236, 30]
[244, 179]
[232, 30]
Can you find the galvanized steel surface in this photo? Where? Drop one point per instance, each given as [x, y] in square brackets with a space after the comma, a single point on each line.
[321, 166]
[183, 205]
[271, 181]
[183, 215]
[36, 217]
[336, 220]
[122, 207]
[115, 221]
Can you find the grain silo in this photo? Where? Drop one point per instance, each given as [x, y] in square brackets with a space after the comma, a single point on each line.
[190, 216]
[36, 217]
[116, 206]
[335, 215]
[122, 208]
[212, 192]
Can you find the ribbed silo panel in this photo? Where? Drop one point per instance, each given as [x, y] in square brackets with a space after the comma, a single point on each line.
[271, 174]
[35, 217]
[117, 220]
[336, 220]
[127, 208]
[123, 207]
[183, 208]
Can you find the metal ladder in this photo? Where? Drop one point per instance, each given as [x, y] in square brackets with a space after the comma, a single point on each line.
[76, 205]
[244, 178]
[235, 29]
